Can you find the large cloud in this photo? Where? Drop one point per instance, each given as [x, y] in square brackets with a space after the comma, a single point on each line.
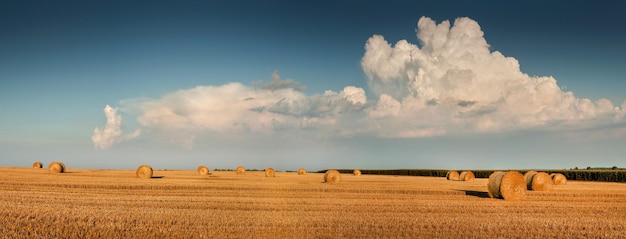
[452, 84]
[238, 109]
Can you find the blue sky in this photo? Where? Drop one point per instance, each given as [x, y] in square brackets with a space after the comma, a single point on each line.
[62, 62]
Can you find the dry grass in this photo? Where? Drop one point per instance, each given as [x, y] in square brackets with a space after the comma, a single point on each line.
[203, 170]
[270, 172]
[453, 175]
[332, 176]
[144, 171]
[112, 204]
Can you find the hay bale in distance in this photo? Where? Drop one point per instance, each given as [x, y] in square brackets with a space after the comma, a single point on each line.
[203, 170]
[332, 176]
[467, 176]
[541, 182]
[507, 185]
[558, 179]
[270, 172]
[56, 167]
[356, 172]
[453, 175]
[528, 177]
[240, 170]
[301, 171]
[37, 165]
[144, 171]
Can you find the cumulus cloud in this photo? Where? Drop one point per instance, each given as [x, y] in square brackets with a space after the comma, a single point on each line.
[453, 83]
[112, 132]
[238, 109]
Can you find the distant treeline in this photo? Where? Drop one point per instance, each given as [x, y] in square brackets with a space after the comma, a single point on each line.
[582, 175]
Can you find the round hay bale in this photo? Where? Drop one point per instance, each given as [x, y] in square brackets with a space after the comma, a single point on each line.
[528, 177]
[558, 179]
[453, 175]
[507, 185]
[332, 176]
[541, 182]
[203, 170]
[240, 170]
[356, 172]
[270, 172]
[37, 165]
[144, 171]
[56, 167]
[493, 185]
[301, 171]
[467, 176]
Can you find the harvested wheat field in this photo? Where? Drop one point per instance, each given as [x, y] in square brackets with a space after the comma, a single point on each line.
[83, 203]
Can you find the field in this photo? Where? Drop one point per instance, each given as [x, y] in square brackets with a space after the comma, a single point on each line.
[606, 175]
[85, 203]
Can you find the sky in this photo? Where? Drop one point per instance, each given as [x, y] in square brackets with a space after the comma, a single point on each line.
[318, 84]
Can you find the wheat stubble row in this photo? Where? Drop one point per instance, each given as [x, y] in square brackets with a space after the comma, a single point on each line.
[183, 204]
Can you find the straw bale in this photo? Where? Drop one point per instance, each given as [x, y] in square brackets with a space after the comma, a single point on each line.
[467, 176]
[270, 172]
[332, 176]
[541, 182]
[240, 170]
[56, 167]
[203, 170]
[301, 171]
[558, 179]
[507, 185]
[144, 171]
[528, 177]
[453, 175]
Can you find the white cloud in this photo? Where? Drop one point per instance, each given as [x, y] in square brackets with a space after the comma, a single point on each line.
[452, 84]
[456, 84]
[238, 109]
[112, 132]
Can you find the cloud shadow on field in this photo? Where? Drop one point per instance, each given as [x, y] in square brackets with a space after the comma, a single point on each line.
[479, 194]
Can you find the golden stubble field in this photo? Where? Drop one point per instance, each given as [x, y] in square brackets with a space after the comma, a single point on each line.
[86, 203]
